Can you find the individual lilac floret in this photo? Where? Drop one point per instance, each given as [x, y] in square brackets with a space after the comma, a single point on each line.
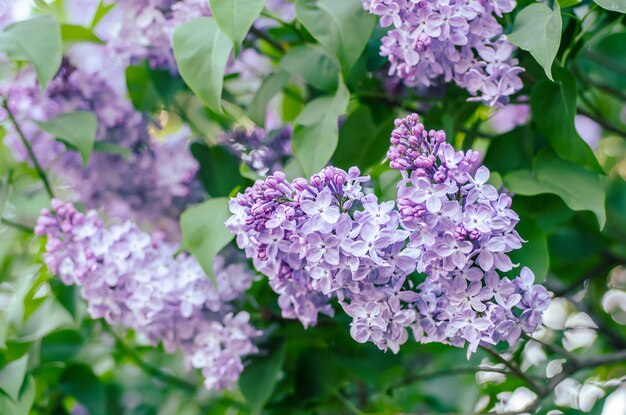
[138, 282]
[263, 151]
[461, 41]
[462, 231]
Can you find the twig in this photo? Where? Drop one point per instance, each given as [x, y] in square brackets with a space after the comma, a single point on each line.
[448, 372]
[605, 124]
[514, 369]
[262, 35]
[31, 153]
[150, 370]
[18, 226]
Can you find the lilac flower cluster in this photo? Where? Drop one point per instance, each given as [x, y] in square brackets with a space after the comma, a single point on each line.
[137, 30]
[135, 184]
[135, 281]
[263, 151]
[429, 265]
[461, 232]
[450, 40]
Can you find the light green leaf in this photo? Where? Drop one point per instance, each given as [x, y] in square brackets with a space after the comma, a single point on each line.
[74, 33]
[102, 11]
[24, 403]
[270, 87]
[314, 65]
[316, 130]
[201, 51]
[12, 376]
[204, 231]
[78, 129]
[47, 318]
[537, 29]
[259, 378]
[612, 5]
[342, 27]
[554, 107]
[235, 17]
[109, 148]
[579, 188]
[37, 40]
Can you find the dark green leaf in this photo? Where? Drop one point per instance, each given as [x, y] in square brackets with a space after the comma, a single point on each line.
[362, 141]
[342, 27]
[37, 40]
[201, 51]
[605, 61]
[219, 169]
[538, 30]
[60, 346]
[553, 108]
[81, 383]
[316, 130]
[270, 87]
[235, 17]
[313, 64]
[534, 253]
[580, 189]
[259, 378]
[12, 376]
[78, 129]
[204, 231]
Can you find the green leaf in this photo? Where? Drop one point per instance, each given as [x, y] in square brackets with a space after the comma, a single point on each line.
[79, 381]
[604, 62]
[579, 188]
[24, 403]
[102, 11]
[612, 5]
[259, 379]
[219, 169]
[273, 84]
[78, 129]
[362, 141]
[74, 33]
[201, 51]
[47, 318]
[12, 376]
[5, 188]
[537, 29]
[104, 147]
[204, 231]
[554, 107]
[315, 133]
[37, 40]
[314, 65]
[341, 26]
[534, 253]
[235, 17]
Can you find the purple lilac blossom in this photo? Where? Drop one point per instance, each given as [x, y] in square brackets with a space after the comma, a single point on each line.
[509, 117]
[461, 41]
[263, 151]
[137, 30]
[136, 281]
[138, 185]
[324, 238]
